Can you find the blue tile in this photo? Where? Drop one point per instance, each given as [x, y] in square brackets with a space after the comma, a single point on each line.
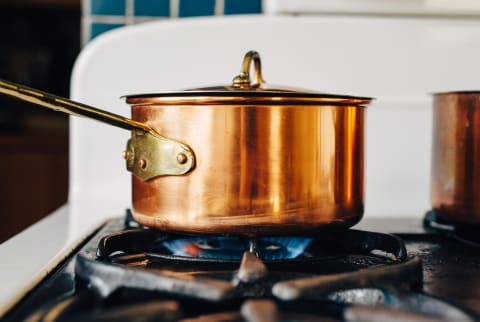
[108, 7]
[233, 7]
[160, 8]
[99, 28]
[191, 8]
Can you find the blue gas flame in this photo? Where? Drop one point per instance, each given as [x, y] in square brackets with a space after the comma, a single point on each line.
[232, 248]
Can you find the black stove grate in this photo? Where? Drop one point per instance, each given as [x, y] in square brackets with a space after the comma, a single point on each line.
[125, 259]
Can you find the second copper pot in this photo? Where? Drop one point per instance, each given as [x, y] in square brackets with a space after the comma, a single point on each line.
[455, 185]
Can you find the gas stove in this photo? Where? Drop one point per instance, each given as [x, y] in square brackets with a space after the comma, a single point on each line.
[127, 272]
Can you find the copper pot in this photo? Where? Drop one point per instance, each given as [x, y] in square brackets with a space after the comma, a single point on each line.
[246, 159]
[455, 178]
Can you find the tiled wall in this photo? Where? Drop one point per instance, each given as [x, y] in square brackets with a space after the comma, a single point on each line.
[103, 15]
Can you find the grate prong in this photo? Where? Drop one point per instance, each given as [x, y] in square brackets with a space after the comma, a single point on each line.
[252, 269]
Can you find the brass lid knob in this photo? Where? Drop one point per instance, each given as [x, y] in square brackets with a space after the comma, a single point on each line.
[242, 80]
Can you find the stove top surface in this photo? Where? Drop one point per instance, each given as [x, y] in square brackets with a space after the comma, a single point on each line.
[259, 289]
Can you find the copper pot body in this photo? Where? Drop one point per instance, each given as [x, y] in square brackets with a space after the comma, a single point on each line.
[260, 169]
[455, 178]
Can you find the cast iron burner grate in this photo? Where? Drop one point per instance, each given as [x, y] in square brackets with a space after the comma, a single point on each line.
[465, 234]
[347, 275]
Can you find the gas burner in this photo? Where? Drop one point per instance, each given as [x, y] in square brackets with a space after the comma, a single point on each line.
[352, 258]
[465, 234]
[158, 245]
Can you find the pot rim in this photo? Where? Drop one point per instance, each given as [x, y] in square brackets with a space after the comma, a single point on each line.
[459, 92]
[246, 97]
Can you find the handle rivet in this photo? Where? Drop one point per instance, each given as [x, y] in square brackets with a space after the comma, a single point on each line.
[126, 155]
[181, 158]
[142, 163]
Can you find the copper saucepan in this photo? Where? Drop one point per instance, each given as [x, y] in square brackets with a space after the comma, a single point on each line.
[245, 159]
[455, 180]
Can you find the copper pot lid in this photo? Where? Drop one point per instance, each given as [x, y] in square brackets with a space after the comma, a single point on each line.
[244, 91]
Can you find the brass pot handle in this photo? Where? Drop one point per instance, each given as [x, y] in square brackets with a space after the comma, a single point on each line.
[148, 155]
[243, 79]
